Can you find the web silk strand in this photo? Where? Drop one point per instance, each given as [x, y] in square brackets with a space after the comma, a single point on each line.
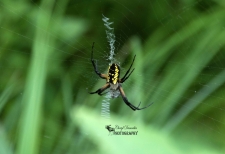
[110, 37]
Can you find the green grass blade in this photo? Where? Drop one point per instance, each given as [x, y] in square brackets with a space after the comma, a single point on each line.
[5, 96]
[195, 101]
[33, 97]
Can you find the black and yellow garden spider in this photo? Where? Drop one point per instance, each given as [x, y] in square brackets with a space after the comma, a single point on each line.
[114, 82]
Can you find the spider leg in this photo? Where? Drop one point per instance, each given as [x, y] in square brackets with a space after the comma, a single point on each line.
[103, 76]
[125, 76]
[123, 80]
[104, 93]
[100, 90]
[128, 103]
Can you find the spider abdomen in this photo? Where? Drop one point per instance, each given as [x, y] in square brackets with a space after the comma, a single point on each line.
[113, 73]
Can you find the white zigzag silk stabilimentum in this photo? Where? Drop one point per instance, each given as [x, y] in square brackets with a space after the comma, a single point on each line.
[105, 112]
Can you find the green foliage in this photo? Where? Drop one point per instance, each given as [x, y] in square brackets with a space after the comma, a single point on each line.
[46, 75]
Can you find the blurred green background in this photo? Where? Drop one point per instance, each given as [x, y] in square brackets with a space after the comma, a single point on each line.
[46, 74]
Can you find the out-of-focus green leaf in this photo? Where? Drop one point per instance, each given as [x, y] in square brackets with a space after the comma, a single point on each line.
[148, 140]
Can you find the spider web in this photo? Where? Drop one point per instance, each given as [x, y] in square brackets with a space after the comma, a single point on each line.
[179, 59]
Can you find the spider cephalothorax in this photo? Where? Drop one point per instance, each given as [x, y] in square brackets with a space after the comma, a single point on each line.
[114, 82]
